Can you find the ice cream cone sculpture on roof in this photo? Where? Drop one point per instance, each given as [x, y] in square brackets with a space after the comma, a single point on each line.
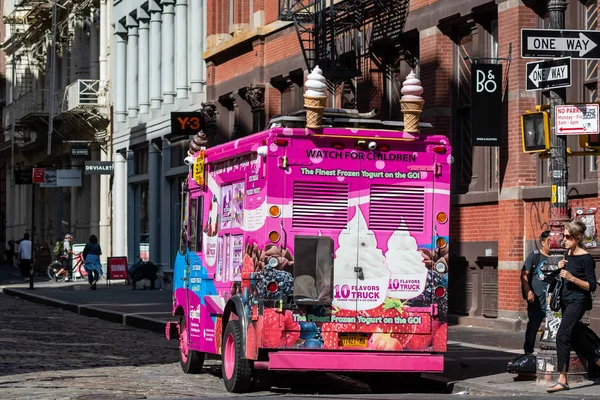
[315, 98]
[411, 103]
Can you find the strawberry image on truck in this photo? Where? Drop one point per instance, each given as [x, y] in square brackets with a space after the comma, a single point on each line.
[315, 250]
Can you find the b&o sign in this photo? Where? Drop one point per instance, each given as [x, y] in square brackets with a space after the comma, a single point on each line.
[486, 104]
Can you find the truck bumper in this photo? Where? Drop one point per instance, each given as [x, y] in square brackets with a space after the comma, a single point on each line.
[355, 361]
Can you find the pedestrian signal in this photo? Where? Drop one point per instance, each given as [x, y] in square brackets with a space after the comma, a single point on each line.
[589, 141]
[535, 128]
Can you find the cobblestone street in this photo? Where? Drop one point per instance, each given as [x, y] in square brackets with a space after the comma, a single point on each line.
[48, 353]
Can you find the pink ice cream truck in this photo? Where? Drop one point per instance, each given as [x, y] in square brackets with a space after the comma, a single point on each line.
[320, 250]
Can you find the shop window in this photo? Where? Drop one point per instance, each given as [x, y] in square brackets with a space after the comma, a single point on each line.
[144, 223]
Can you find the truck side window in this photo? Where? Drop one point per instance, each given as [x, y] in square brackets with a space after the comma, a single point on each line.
[192, 224]
[199, 222]
[195, 225]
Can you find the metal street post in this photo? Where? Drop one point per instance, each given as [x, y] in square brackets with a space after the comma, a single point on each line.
[547, 366]
[52, 79]
[31, 266]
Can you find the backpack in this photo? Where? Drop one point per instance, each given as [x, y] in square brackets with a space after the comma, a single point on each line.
[534, 263]
[58, 248]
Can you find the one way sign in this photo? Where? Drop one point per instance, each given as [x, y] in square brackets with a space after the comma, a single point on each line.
[553, 43]
[549, 74]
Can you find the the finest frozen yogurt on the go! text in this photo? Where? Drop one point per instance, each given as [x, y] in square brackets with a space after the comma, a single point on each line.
[411, 88]
[315, 83]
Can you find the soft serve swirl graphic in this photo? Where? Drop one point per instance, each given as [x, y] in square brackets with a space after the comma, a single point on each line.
[357, 238]
[402, 256]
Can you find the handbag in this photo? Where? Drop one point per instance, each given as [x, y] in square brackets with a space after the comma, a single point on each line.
[555, 297]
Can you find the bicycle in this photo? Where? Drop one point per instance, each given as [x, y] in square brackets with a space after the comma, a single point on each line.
[57, 265]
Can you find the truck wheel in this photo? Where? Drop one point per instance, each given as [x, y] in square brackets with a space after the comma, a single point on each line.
[190, 360]
[237, 372]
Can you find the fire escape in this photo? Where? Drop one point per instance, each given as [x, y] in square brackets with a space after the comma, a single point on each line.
[347, 38]
[79, 109]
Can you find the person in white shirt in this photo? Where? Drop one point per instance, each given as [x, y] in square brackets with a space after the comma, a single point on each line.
[25, 256]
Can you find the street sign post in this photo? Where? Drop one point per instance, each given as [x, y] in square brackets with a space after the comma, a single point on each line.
[547, 74]
[554, 43]
[581, 119]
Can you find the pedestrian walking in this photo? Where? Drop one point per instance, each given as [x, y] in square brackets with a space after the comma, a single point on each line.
[535, 290]
[66, 258]
[25, 256]
[91, 255]
[578, 272]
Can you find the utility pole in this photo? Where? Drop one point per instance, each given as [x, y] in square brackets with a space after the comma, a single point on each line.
[547, 359]
[52, 79]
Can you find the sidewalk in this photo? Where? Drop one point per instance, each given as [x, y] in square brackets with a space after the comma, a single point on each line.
[145, 309]
[474, 362]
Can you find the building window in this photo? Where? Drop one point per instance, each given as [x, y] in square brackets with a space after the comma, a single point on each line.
[476, 168]
[462, 132]
[140, 159]
[179, 152]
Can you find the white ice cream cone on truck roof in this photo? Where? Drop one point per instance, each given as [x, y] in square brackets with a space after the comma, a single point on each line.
[315, 98]
[411, 103]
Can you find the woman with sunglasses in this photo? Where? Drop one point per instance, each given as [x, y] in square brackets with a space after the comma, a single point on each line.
[578, 272]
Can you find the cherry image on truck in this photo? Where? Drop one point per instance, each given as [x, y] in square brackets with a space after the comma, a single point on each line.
[315, 250]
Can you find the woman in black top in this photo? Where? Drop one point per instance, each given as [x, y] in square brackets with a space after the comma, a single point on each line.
[578, 272]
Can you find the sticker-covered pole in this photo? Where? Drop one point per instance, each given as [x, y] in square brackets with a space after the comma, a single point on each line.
[547, 365]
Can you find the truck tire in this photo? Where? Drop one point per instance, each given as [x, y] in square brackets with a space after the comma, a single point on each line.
[191, 361]
[237, 371]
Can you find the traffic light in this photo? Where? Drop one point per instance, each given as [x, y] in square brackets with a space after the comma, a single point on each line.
[590, 141]
[535, 128]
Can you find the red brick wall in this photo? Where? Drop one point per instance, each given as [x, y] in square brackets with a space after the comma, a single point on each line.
[271, 11]
[415, 4]
[521, 168]
[474, 223]
[282, 47]
[509, 291]
[538, 214]
[273, 101]
[436, 77]
[212, 15]
[235, 67]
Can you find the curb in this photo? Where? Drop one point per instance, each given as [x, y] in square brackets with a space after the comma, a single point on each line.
[132, 320]
[478, 389]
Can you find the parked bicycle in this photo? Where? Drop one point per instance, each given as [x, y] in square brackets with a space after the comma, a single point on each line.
[57, 266]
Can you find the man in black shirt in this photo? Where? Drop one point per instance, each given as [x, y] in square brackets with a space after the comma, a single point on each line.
[534, 290]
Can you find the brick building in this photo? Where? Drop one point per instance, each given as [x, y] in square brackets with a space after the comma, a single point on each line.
[255, 69]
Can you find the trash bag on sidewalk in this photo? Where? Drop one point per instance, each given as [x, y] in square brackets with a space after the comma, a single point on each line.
[525, 364]
[586, 344]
